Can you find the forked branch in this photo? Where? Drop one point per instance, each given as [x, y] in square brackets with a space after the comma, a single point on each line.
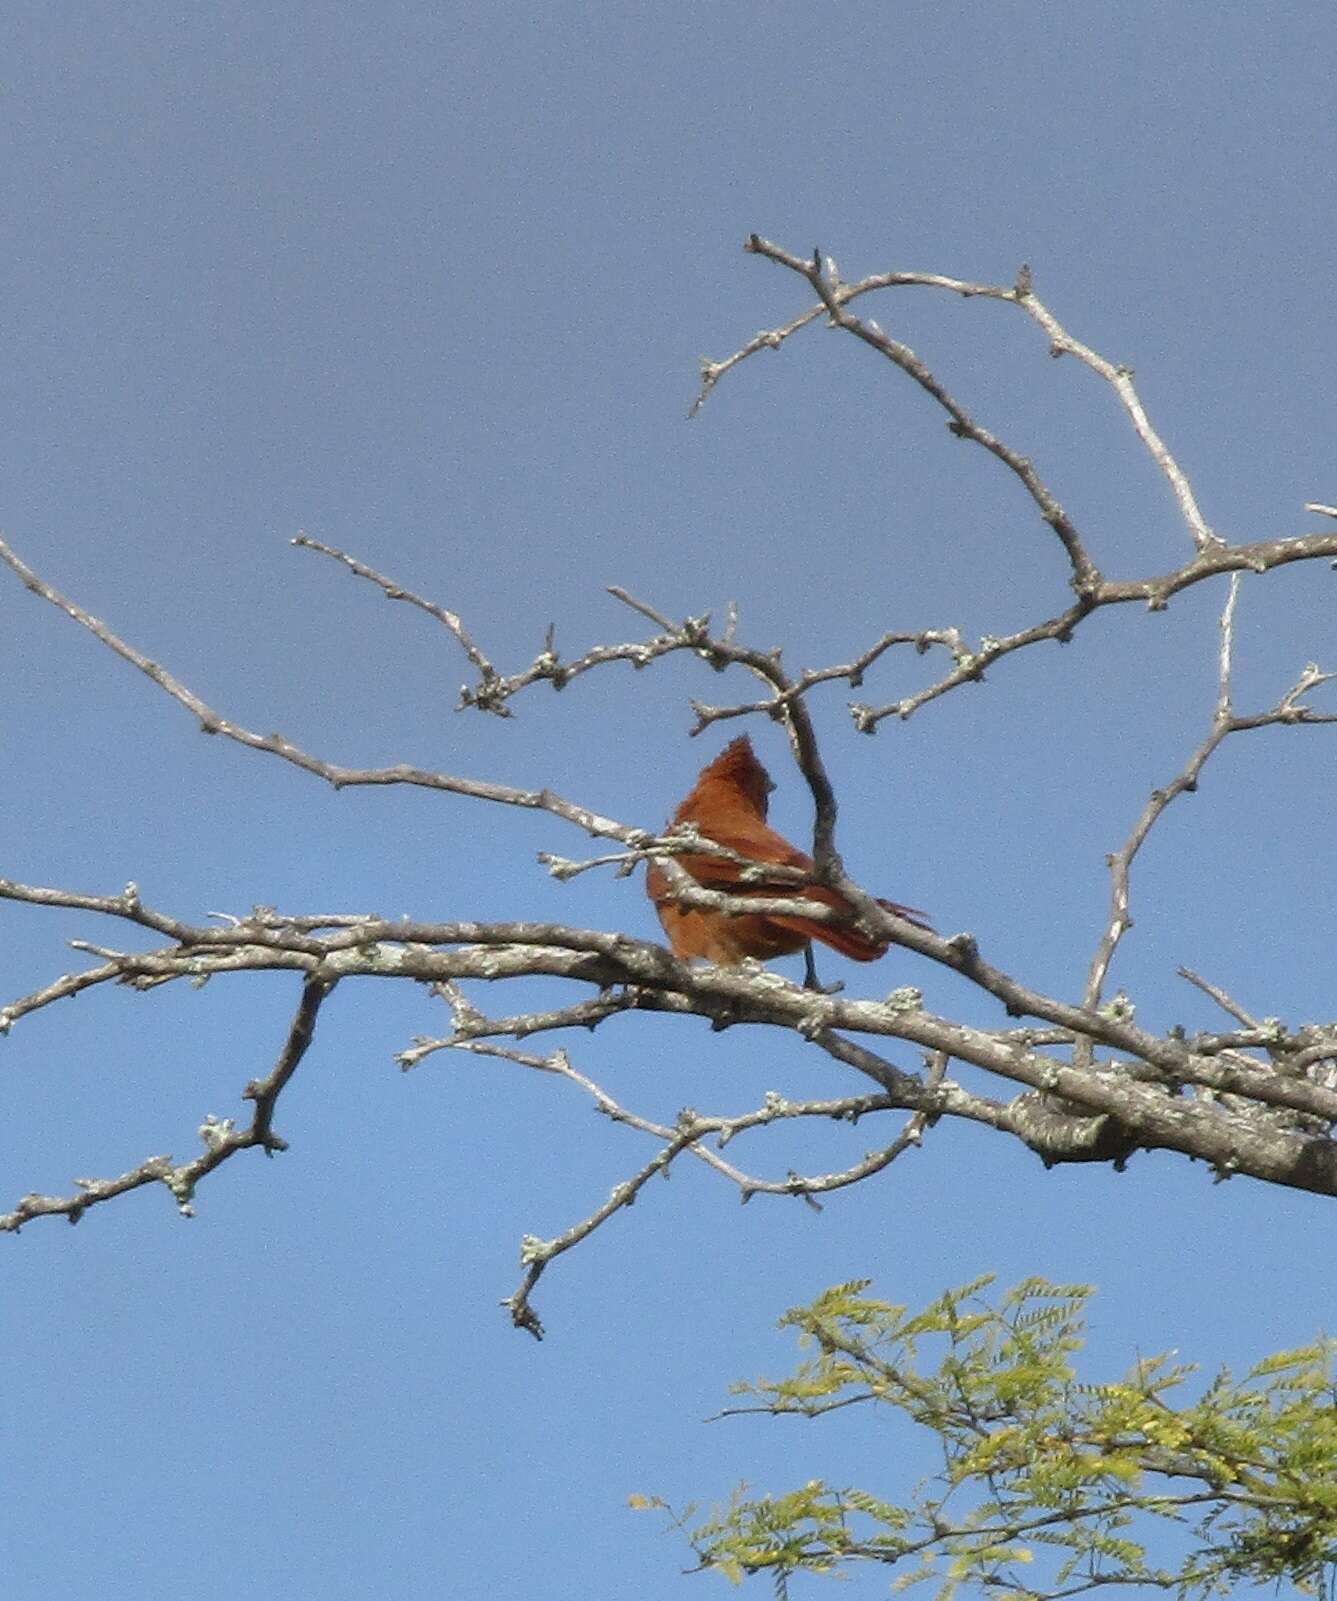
[1082, 1081]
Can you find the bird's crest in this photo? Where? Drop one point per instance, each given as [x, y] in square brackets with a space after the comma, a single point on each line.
[737, 765]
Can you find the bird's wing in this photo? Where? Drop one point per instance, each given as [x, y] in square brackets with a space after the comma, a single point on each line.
[750, 837]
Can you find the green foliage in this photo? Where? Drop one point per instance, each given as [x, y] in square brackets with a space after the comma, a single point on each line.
[1049, 1486]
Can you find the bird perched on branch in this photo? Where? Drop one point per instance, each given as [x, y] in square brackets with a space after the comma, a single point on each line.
[728, 805]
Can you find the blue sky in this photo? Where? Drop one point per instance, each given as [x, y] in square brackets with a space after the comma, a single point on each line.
[432, 282]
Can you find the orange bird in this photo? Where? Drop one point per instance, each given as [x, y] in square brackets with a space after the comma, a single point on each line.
[728, 805]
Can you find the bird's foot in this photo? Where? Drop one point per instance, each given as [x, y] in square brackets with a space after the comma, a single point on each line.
[812, 982]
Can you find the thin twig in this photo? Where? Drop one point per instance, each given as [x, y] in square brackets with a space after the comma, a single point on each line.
[645, 609]
[692, 1128]
[723, 1129]
[1186, 782]
[1021, 294]
[1085, 575]
[768, 339]
[1288, 711]
[535, 1254]
[853, 672]
[212, 722]
[1120, 378]
[1224, 1001]
[394, 591]
[1212, 562]
[222, 1138]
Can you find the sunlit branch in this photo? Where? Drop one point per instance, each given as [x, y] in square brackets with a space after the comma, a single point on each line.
[535, 1254]
[409, 950]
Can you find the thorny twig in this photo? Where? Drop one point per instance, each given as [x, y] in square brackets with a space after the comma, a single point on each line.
[691, 1130]
[448, 619]
[1212, 556]
[1225, 722]
[835, 296]
[221, 1137]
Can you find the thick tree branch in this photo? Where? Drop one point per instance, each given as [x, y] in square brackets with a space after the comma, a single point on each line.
[434, 953]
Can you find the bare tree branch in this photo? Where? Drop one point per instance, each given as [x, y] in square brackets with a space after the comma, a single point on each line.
[1213, 557]
[393, 591]
[221, 1137]
[1021, 294]
[1225, 722]
[1082, 1081]
[211, 722]
[1120, 862]
[822, 276]
[692, 1128]
[435, 952]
